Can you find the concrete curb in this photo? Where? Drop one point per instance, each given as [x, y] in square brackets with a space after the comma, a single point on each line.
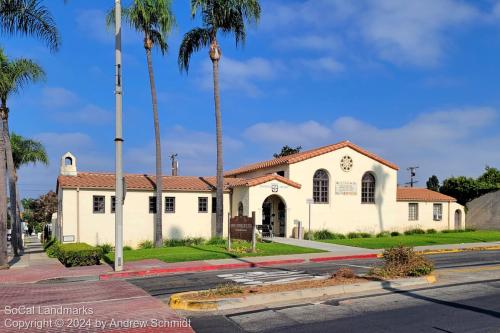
[207, 267]
[463, 249]
[181, 301]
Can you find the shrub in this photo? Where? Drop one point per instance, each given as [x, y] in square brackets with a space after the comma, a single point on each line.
[147, 244]
[415, 232]
[469, 229]
[395, 233]
[431, 231]
[384, 234]
[183, 242]
[105, 248]
[323, 234]
[216, 241]
[345, 273]
[79, 254]
[309, 235]
[51, 247]
[358, 235]
[402, 261]
[127, 248]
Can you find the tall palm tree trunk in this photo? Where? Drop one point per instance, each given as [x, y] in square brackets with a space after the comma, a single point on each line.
[14, 220]
[4, 261]
[158, 238]
[219, 212]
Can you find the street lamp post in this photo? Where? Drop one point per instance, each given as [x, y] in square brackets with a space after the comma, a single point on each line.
[118, 142]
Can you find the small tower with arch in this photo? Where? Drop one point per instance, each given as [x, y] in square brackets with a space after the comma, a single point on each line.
[68, 165]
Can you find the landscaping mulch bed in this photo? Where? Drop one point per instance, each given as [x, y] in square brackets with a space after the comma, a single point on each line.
[274, 288]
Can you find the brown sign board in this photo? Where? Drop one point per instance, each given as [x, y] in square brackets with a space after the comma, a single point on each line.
[241, 227]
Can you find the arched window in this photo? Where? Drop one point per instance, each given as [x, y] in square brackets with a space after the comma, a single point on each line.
[68, 161]
[368, 188]
[240, 208]
[320, 186]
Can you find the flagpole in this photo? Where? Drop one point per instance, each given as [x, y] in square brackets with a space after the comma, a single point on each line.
[118, 264]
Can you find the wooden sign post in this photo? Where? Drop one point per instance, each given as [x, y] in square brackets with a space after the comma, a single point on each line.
[242, 227]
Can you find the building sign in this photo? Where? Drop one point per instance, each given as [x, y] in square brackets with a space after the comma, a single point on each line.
[346, 188]
[274, 187]
[242, 227]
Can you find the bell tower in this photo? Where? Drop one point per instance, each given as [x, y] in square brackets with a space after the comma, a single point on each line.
[68, 165]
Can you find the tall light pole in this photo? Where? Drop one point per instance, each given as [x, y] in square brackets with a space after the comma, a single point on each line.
[118, 141]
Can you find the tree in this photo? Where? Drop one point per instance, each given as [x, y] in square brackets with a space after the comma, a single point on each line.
[433, 183]
[464, 189]
[14, 75]
[490, 177]
[287, 150]
[155, 20]
[228, 17]
[29, 18]
[39, 211]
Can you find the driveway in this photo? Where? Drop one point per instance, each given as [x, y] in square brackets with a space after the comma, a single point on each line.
[338, 249]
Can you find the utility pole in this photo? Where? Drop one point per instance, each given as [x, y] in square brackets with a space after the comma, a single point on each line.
[413, 174]
[175, 164]
[118, 141]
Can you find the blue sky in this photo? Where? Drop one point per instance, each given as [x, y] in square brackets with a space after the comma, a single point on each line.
[414, 81]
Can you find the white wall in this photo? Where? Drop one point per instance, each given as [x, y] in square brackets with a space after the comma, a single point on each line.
[426, 218]
[94, 228]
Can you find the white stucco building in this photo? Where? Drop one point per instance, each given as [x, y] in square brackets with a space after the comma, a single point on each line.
[346, 188]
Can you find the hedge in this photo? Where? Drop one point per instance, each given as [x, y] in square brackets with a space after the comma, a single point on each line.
[79, 254]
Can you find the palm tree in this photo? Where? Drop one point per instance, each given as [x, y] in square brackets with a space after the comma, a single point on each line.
[228, 17]
[29, 18]
[26, 151]
[14, 75]
[153, 19]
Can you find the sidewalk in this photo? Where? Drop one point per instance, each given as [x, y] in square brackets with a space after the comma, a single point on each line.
[38, 267]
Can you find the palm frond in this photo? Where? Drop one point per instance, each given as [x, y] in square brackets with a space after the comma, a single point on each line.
[193, 41]
[16, 74]
[29, 18]
[26, 151]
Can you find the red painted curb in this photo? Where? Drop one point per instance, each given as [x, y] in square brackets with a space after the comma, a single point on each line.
[357, 256]
[200, 268]
[206, 267]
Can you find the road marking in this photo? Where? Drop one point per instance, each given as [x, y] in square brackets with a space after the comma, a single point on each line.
[356, 266]
[269, 277]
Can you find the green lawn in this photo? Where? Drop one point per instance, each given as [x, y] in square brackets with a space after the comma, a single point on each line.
[205, 252]
[418, 240]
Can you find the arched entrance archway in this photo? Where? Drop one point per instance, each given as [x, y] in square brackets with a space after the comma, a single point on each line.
[274, 214]
[458, 219]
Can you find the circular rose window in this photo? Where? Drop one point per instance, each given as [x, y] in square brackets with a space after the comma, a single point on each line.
[346, 163]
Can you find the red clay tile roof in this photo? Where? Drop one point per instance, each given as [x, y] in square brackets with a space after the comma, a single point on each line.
[141, 182]
[421, 194]
[290, 159]
[264, 179]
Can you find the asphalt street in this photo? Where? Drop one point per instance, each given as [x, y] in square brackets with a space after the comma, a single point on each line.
[163, 286]
[467, 304]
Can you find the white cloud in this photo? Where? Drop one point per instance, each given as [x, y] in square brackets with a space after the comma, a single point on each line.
[66, 107]
[92, 22]
[196, 152]
[401, 32]
[444, 142]
[88, 114]
[57, 97]
[243, 75]
[309, 42]
[305, 134]
[321, 65]
[413, 31]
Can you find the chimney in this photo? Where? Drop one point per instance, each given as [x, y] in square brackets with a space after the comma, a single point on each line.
[175, 164]
[68, 165]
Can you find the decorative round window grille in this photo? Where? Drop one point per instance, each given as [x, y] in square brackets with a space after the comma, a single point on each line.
[346, 163]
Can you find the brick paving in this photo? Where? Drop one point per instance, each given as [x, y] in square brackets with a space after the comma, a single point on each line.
[120, 305]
